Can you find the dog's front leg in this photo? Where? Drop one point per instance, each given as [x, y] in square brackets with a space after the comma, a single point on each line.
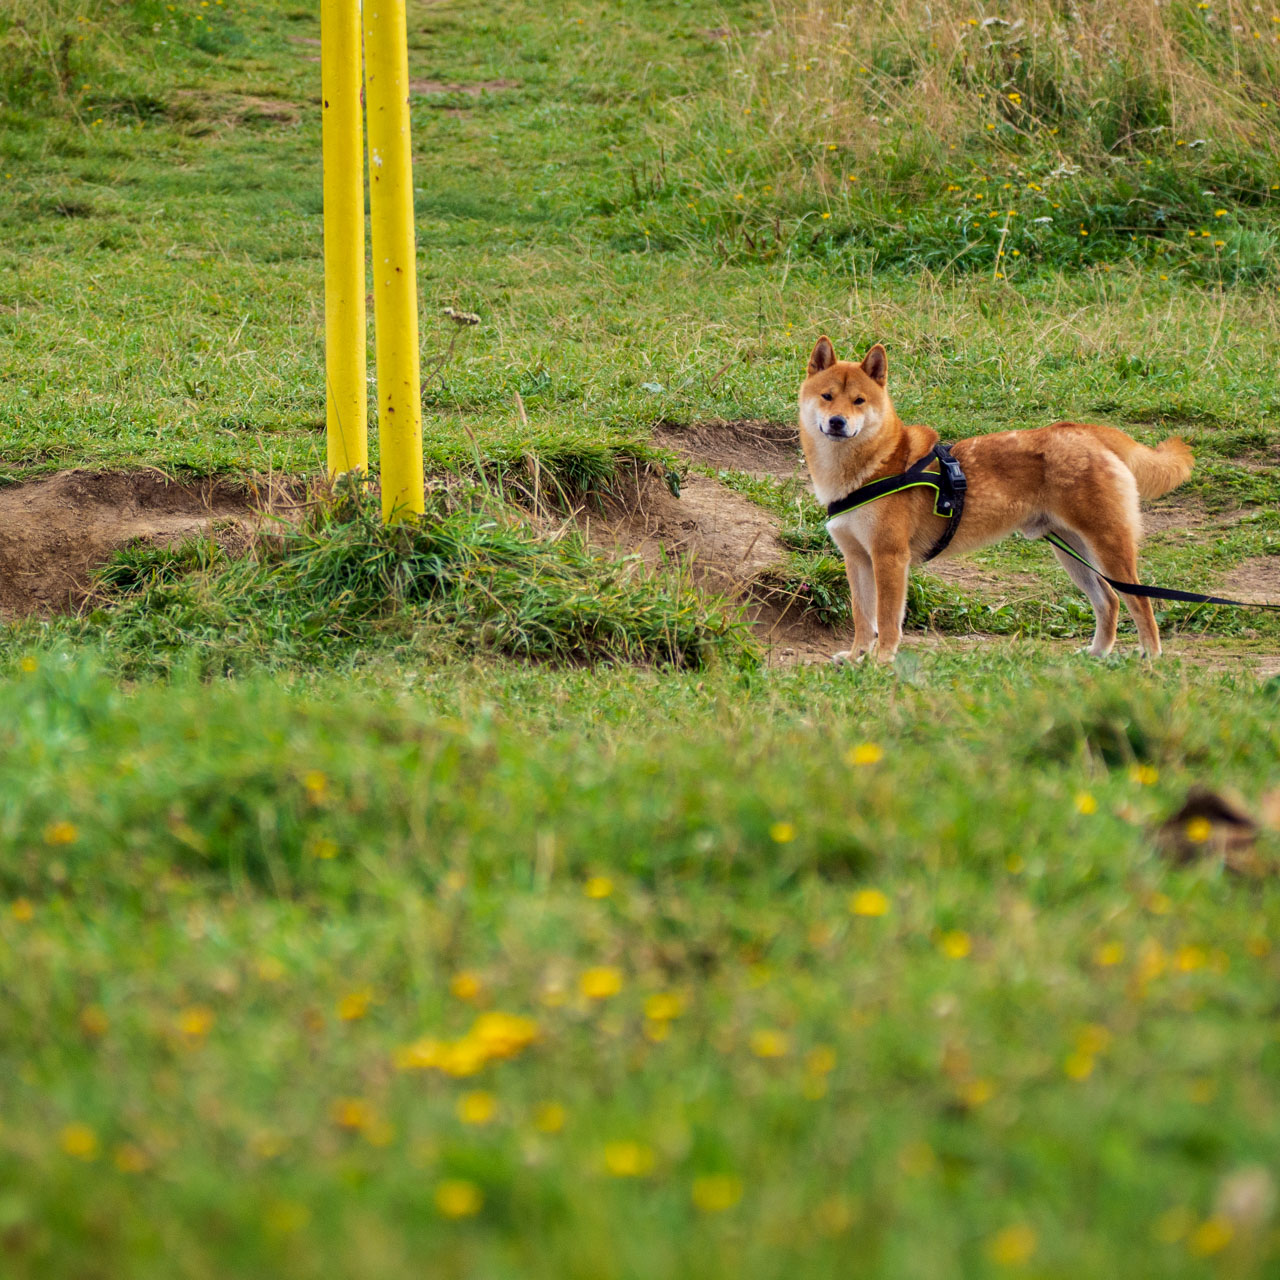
[891, 566]
[862, 596]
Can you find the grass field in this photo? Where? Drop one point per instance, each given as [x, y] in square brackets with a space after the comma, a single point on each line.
[460, 902]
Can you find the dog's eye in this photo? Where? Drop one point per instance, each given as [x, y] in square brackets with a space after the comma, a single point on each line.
[826, 395]
[860, 400]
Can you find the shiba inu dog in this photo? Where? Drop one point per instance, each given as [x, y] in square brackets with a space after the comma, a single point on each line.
[1079, 482]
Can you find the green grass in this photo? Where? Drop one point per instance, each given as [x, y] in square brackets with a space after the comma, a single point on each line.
[472, 573]
[244, 901]
[271, 820]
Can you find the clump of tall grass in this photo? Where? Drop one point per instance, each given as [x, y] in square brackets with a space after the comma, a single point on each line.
[937, 133]
[474, 574]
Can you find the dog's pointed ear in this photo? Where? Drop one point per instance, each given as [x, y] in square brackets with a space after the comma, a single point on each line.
[875, 364]
[824, 356]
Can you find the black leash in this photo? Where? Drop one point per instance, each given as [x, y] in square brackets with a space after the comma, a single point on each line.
[1154, 593]
[948, 483]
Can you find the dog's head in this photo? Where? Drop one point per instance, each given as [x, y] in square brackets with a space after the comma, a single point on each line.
[841, 400]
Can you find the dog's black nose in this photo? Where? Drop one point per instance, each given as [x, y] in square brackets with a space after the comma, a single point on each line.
[836, 422]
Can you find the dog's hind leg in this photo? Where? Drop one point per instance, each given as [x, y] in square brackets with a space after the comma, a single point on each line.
[1115, 552]
[1106, 607]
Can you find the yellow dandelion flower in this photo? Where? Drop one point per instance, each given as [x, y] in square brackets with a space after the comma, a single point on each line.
[863, 754]
[352, 1114]
[1210, 1237]
[1219, 244]
[549, 1117]
[477, 1107]
[1198, 830]
[316, 785]
[869, 902]
[820, 1060]
[716, 1192]
[80, 1141]
[1145, 775]
[598, 887]
[1189, 958]
[825, 217]
[22, 910]
[663, 1006]
[1078, 1066]
[466, 985]
[782, 832]
[1014, 1246]
[422, 1055]
[64, 832]
[354, 1005]
[600, 983]
[28, 664]
[323, 848]
[1085, 803]
[503, 1035]
[978, 1092]
[458, 1198]
[195, 1022]
[628, 1159]
[955, 943]
[1109, 954]
[462, 1058]
[1219, 213]
[768, 1043]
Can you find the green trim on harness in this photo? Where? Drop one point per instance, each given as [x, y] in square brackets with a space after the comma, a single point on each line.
[948, 483]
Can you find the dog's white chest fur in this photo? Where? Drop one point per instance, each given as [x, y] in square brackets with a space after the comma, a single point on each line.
[856, 526]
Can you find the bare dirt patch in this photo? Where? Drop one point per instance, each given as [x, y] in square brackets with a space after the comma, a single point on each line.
[54, 532]
[724, 539]
[992, 586]
[438, 88]
[1256, 580]
[755, 447]
[200, 108]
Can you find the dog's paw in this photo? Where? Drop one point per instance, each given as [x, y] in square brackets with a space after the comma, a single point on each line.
[849, 657]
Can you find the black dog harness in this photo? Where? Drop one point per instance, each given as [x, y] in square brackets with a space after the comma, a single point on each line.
[948, 483]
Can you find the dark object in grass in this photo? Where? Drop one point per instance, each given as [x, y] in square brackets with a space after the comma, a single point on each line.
[1209, 825]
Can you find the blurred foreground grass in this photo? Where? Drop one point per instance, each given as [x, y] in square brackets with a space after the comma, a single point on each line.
[796, 969]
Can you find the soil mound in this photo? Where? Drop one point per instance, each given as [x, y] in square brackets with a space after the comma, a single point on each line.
[723, 538]
[54, 532]
[756, 447]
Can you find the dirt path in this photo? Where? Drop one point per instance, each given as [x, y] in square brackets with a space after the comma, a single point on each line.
[54, 532]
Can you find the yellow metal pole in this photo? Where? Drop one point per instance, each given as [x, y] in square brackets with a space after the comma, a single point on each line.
[346, 391]
[395, 275]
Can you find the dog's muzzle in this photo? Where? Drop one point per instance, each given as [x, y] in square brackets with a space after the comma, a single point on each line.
[837, 428]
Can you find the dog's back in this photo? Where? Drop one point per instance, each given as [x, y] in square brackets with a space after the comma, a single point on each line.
[1157, 470]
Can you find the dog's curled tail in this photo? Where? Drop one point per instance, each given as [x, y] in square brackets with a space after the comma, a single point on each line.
[1156, 470]
[1160, 469]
